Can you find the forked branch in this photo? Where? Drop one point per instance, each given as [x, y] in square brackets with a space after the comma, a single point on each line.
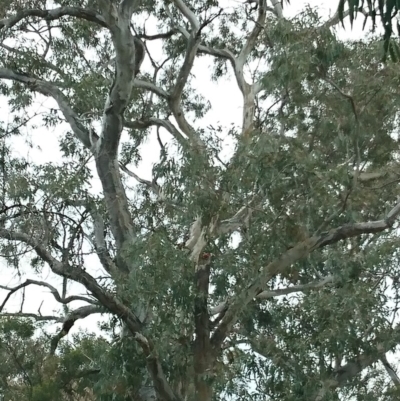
[298, 252]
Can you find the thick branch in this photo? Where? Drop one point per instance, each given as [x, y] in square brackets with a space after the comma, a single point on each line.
[120, 92]
[299, 251]
[355, 366]
[315, 285]
[296, 288]
[223, 53]
[143, 124]
[50, 15]
[175, 99]
[390, 371]
[138, 83]
[69, 321]
[334, 20]
[252, 38]
[202, 348]
[189, 14]
[277, 4]
[106, 152]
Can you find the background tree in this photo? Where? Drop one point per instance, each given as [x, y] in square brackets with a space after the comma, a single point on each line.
[271, 272]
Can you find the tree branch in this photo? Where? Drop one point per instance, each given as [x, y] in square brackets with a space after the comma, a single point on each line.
[334, 20]
[69, 321]
[118, 21]
[38, 318]
[107, 300]
[242, 215]
[355, 366]
[189, 14]
[48, 89]
[252, 38]
[127, 51]
[267, 294]
[138, 83]
[152, 186]
[390, 371]
[77, 274]
[299, 251]
[56, 13]
[175, 98]
[53, 290]
[97, 240]
[296, 288]
[143, 124]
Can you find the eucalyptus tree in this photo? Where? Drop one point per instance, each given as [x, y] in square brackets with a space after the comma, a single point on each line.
[382, 12]
[271, 273]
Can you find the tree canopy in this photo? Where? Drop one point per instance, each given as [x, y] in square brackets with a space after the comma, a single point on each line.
[259, 262]
[383, 11]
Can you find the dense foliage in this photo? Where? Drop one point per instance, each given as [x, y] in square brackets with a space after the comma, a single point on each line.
[269, 273]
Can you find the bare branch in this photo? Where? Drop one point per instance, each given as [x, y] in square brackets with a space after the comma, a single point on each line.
[127, 51]
[282, 291]
[155, 369]
[252, 38]
[223, 53]
[143, 124]
[156, 36]
[193, 43]
[191, 50]
[56, 13]
[296, 288]
[120, 92]
[138, 83]
[175, 99]
[53, 290]
[127, 7]
[152, 186]
[369, 176]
